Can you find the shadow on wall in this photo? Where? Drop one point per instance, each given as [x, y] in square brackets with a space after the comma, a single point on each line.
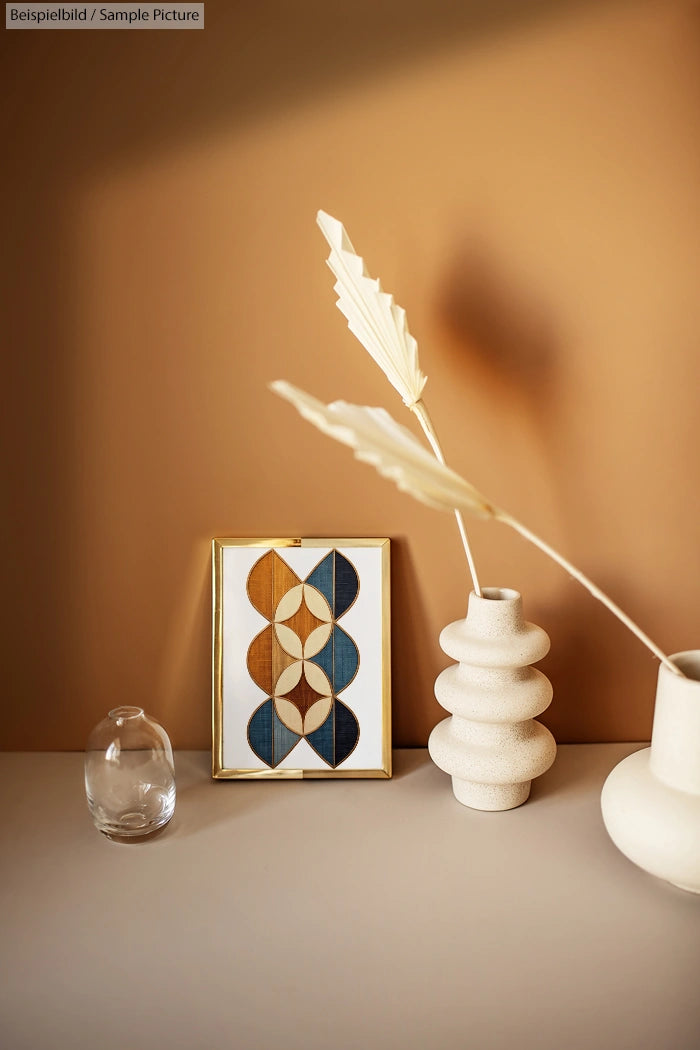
[499, 329]
[186, 646]
[413, 715]
[40, 444]
[74, 111]
[136, 92]
[511, 350]
[589, 646]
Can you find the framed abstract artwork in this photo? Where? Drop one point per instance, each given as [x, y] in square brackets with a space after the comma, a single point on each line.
[301, 669]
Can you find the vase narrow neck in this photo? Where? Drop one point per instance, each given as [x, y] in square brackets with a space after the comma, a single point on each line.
[497, 609]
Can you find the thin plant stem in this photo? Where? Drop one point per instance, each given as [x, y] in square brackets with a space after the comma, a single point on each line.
[421, 411]
[590, 587]
[419, 408]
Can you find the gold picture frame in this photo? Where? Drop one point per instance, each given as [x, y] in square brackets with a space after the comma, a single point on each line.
[301, 658]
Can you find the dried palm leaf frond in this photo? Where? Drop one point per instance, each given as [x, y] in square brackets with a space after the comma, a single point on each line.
[372, 315]
[377, 438]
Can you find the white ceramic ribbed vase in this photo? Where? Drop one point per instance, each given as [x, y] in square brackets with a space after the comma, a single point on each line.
[491, 746]
[651, 800]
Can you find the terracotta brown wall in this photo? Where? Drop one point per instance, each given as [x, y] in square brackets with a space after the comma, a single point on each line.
[525, 180]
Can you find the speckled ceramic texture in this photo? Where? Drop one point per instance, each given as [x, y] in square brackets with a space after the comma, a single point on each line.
[651, 800]
[491, 745]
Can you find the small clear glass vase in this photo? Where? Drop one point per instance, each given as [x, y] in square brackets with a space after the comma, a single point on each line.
[129, 774]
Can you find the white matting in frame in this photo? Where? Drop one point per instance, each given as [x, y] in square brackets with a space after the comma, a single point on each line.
[301, 658]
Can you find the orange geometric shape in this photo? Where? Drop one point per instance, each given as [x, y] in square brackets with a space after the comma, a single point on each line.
[303, 696]
[303, 622]
[268, 580]
[267, 659]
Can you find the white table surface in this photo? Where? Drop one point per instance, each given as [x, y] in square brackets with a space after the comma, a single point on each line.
[338, 914]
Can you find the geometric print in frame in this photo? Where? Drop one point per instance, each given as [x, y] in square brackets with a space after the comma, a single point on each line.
[301, 672]
[303, 658]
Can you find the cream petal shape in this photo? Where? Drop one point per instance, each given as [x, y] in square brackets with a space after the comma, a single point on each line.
[289, 640]
[372, 315]
[316, 640]
[289, 603]
[289, 715]
[290, 677]
[317, 714]
[317, 678]
[393, 450]
[316, 603]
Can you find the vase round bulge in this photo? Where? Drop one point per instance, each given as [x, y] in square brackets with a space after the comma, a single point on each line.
[651, 800]
[491, 745]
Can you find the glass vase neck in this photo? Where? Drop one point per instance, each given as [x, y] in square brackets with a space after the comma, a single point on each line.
[120, 715]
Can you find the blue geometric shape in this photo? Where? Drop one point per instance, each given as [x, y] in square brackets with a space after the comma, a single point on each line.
[339, 658]
[337, 580]
[270, 739]
[347, 732]
[346, 586]
[321, 739]
[345, 659]
[260, 732]
[283, 739]
[324, 659]
[322, 578]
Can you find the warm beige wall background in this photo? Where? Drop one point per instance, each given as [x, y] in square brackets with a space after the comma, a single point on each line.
[523, 177]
